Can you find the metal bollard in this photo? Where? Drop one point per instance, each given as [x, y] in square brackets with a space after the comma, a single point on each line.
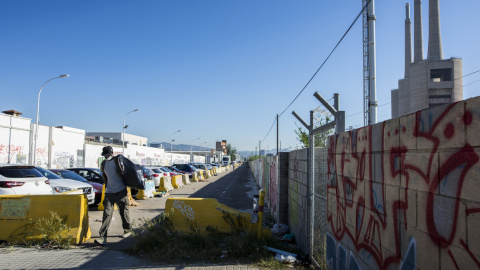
[261, 203]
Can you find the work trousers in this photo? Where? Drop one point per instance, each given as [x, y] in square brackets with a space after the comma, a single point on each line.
[121, 199]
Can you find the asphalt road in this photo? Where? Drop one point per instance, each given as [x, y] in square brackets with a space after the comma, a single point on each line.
[232, 188]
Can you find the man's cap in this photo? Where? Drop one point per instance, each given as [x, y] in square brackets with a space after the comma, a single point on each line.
[107, 150]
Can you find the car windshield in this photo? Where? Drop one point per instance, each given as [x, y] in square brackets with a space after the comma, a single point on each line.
[50, 175]
[71, 175]
[157, 170]
[167, 169]
[19, 172]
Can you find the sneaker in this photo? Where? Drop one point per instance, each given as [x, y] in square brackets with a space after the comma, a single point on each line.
[101, 241]
[127, 234]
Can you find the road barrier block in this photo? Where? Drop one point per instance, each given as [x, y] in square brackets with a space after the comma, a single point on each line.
[148, 192]
[200, 175]
[195, 177]
[206, 174]
[165, 184]
[18, 214]
[185, 179]
[177, 181]
[100, 206]
[209, 212]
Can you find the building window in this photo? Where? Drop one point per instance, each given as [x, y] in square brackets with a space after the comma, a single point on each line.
[439, 100]
[441, 75]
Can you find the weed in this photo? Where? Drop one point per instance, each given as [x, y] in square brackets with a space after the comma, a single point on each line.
[53, 232]
[159, 241]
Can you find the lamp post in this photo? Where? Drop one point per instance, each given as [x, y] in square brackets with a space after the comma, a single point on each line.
[171, 147]
[200, 148]
[38, 110]
[123, 132]
[191, 145]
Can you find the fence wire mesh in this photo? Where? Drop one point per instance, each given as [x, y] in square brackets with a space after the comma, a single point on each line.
[318, 236]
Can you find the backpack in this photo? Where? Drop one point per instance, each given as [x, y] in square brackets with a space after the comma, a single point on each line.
[132, 174]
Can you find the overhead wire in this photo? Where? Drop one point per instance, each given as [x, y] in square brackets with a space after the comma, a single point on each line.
[348, 30]
[325, 61]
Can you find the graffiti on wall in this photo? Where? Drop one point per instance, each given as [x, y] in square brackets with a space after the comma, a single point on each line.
[265, 173]
[397, 181]
[12, 154]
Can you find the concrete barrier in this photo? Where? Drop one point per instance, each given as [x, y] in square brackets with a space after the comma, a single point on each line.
[201, 177]
[185, 179]
[165, 185]
[194, 177]
[17, 212]
[148, 192]
[206, 174]
[209, 212]
[177, 181]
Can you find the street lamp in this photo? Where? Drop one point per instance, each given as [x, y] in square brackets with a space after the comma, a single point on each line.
[191, 145]
[38, 109]
[200, 148]
[123, 133]
[171, 146]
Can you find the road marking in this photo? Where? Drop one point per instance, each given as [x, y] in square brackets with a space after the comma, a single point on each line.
[235, 178]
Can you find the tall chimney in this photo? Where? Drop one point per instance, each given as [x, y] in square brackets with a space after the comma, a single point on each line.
[418, 38]
[435, 51]
[408, 41]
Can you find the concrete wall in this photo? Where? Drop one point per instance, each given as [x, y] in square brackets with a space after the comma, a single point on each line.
[403, 194]
[298, 217]
[273, 180]
[65, 147]
[15, 134]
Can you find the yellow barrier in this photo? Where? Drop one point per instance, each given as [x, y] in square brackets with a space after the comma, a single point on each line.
[101, 207]
[185, 179]
[201, 175]
[165, 185]
[206, 174]
[209, 212]
[17, 212]
[195, 177]
[177, 181]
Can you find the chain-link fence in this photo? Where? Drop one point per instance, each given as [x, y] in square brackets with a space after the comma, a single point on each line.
[318, 235]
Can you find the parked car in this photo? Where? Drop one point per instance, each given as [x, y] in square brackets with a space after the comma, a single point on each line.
[200, 166]
[157, 174]
[177, 170]
[66, 174]
[185, 167]
[214, 165]
[16, 179]
[91, 174]
[60, 185]
[171, 172]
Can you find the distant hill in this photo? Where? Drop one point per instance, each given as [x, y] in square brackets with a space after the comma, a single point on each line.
[183, 147]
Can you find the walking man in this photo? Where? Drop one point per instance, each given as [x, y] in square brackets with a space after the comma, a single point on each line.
[115, 193]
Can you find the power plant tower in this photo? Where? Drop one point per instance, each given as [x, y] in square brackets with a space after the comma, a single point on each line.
[427, 82]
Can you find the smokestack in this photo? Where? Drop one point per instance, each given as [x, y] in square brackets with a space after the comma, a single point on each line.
[408, 41]
[435, 51]
[418, 31]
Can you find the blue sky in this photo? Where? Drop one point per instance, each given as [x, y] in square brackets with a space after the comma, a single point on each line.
[214, 69]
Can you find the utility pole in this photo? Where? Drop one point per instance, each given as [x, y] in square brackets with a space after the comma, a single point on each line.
[369, 70]
[278, 147]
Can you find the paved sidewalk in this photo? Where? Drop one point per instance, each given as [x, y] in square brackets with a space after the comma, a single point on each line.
[88, 258]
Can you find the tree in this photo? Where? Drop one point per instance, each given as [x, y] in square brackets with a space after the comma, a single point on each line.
[320, 138]
[232, 152]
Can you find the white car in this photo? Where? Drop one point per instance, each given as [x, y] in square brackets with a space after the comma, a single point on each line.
[61, 185]
[157, 174]
[16, 179]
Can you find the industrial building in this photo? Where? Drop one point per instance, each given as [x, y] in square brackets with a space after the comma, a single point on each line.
[428, 82]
